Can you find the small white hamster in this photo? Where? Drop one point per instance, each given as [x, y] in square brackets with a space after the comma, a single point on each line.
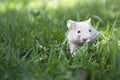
[79, 33]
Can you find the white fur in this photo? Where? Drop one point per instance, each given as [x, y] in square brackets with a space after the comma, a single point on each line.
[79, 33]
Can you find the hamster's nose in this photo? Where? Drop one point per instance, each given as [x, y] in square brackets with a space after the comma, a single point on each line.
[85, 39]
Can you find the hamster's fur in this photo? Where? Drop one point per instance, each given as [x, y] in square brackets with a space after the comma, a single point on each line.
[79, 33]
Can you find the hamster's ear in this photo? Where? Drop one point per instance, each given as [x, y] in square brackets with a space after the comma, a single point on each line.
[70, 24]
[89, 21]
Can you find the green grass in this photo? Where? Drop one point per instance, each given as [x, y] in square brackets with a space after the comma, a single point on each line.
[32, 34]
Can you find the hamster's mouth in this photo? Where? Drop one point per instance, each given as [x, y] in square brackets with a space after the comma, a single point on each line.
[82, 42]
[88, 40]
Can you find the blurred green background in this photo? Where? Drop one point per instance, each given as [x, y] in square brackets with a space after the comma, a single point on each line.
[32, 33]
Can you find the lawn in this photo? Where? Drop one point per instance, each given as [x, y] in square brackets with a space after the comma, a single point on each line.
[33, 46]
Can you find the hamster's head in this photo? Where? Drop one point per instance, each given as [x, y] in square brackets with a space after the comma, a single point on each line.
[81, 32]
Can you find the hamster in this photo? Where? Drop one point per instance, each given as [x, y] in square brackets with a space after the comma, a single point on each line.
[79, 33]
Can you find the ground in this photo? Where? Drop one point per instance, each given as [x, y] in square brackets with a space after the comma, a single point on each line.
[32, 34]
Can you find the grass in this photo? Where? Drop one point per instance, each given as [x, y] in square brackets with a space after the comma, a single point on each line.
[32, 34]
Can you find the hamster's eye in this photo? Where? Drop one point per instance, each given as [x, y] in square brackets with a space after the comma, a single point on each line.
[89, 30]
[78, 31]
